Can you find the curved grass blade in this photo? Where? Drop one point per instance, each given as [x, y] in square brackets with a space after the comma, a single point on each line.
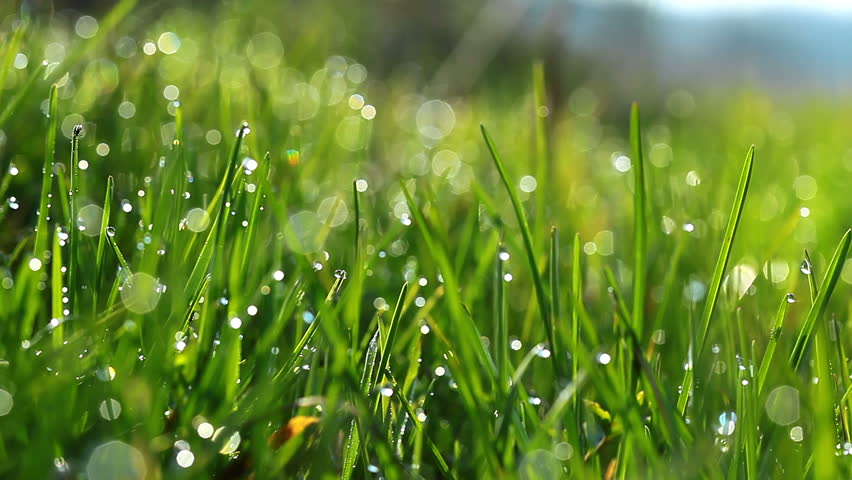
[718, 273]
[12, 105]
[541, 293]
[829, 281]
[725, 251]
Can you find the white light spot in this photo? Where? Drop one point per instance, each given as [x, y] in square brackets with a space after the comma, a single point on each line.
[168, 43]
[236, 323]
[278, 275]
[528, 183]
[86, 27]
[35, 264]
[604, 358]
[185, 458]
[368, 112]
[205, 430]
[440, 371]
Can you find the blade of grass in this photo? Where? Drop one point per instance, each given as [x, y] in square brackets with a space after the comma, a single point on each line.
[640, 224]
[12, 49]
[13, 104]
[389, 342]
[541, 293]
[718, 273]
[829, 282]
[47, 176]
[102, 241]
[73, 231]
[774, 334]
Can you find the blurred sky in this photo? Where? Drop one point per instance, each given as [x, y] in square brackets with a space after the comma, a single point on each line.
[705, 6]
[790, 48]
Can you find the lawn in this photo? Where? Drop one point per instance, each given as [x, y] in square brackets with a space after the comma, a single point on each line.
[229, 249]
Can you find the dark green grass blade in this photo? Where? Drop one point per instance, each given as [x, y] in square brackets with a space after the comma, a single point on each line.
[829, 282]
[433, 449]
[541, 292]
[47, 177]
[640, 224]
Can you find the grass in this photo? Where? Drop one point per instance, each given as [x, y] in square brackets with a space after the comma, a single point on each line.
[235, 268]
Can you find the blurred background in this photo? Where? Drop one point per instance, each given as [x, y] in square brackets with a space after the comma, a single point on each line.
[399, 87]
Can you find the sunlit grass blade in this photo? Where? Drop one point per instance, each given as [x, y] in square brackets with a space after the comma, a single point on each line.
[389, 342]
[541, 292]
[829, 282]
[12, 105]
[254, 220]
[725, 251]
[56, 305]
[501, 325]
[465, 334]
[774, 334]
[106, 25]
[47, 177]
[12, 49]
[102, 241]
[640, 223]
[718, 274]
[542, 147]
[287, 368]
[73, 230]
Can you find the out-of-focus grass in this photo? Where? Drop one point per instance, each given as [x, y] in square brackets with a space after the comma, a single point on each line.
[354, 283]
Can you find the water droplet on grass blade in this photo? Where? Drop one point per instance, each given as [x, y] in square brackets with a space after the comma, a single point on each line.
[806, 267]
[791, 298]
[727, 423]
[110, 409]
[796, 434]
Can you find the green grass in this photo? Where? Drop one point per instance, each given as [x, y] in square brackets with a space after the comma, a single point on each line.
[261, 250]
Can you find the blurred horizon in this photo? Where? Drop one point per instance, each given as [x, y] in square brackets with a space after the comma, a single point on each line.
[789, 50]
